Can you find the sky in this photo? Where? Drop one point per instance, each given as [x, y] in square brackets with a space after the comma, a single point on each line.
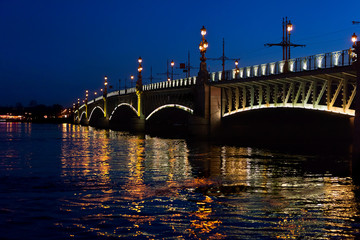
[53, 51]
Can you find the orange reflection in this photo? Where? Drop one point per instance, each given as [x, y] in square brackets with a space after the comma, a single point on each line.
[204, 224]
[136, 189]
[80, 161]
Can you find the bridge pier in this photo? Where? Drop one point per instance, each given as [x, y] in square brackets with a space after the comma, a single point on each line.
[138, 125]
[101, 123]
[206, 121]
[84, 122]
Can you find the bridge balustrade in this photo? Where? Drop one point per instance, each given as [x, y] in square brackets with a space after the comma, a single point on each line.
[115, 93]
[170, 84]
[318, 61]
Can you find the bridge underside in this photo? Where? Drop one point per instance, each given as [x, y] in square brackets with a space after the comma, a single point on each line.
[331, 90]
[171, 121]
[288, 125]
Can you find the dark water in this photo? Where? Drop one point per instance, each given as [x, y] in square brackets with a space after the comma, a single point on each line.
[73, 182]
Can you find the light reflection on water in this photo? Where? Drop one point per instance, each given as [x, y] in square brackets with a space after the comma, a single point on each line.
[69, 181]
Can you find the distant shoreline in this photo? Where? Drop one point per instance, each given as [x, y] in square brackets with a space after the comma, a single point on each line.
[52, 120]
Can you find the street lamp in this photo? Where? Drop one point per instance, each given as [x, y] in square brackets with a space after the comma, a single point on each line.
[203, 31]
[354, 39]
[203, 44]
[286, 44]
[139, 90]
[86, 95]
[289, 28]
[131, 80]
[105, 86]
[86, 103]
[139, 81]
[172, 69]
[356, 46]
[237, 71]
[203, 73]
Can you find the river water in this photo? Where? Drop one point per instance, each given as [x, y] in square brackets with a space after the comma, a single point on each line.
[73, 182]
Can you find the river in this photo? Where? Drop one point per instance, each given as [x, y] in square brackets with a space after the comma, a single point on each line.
[73, 182]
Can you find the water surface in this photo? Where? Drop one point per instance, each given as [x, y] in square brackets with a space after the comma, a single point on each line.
[73, 182]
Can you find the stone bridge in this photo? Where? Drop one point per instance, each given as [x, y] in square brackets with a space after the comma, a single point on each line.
[325, 83]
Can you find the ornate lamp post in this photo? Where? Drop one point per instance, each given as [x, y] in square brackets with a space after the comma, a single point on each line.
[105, 86]
[203, 73]
[237, 71]
[86, 96]
[105, 95]
[86, 102]
[285, 43]
[172, 69]
[73, 112]
[289, 28]
[139, 81]
[131, 80]
[139, 87]
[78, 106]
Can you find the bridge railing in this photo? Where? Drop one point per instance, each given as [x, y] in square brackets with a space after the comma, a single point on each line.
[318, 61]
[122, 92]
[183, 82]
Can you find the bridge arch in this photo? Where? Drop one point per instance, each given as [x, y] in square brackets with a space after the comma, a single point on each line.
[91, 114]
[324, 108]
[76, 116]
[288, 124]
[120, 105]
[82, 116]
[170, 120]
[181, 107]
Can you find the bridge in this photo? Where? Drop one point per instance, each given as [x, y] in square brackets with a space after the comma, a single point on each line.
[322, 82]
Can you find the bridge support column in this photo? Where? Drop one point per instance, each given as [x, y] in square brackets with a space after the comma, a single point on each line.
[138, 124]
[84, 122]
[102, 123]
[213, 112]
[206, 121]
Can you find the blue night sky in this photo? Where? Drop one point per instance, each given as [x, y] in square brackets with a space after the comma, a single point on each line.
[52, 51]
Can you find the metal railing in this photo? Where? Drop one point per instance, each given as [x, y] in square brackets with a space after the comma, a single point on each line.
[183, 82]
[318, 61]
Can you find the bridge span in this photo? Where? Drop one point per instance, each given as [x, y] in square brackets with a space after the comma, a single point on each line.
[322, 82]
